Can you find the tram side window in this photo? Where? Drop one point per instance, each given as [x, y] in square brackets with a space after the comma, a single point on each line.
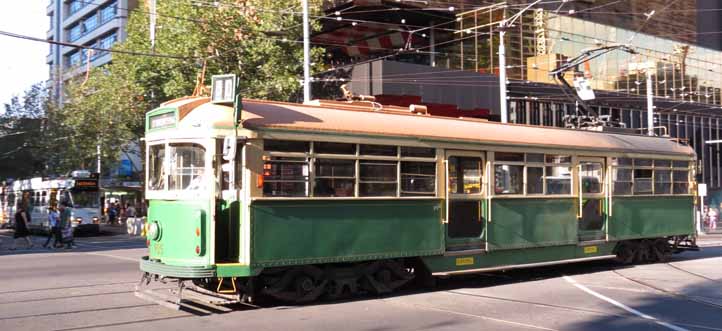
[418, 178]
[535, 173]
[335, 178]
[187, 167]
[465, 175]
[508, 173]
[558, 174]
[156, 167]
[285, 176]
[662, 177]
[681, 181]
[378, 178]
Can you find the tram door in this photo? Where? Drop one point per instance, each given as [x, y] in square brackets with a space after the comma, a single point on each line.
[227, 204]
[466, 206]
[592, 204]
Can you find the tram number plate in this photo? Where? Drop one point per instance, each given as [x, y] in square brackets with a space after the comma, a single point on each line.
[465, 260]
[590, 249]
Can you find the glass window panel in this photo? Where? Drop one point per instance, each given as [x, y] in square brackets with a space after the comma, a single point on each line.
[591, 174]
[681, 176]
[286, 146]
[558, 159]
[379, 150]
[335, 168]
[334, 148]
[285, 189]
[559, 180]
[512, 157]
[418, 152]
[680, 164]
[642, 162]
[662, 176]
[536, 158]
[622, 187]
[508, 179]
[662, 163]
[418, 178]
[285, 169]
[187, 167]
[464, 175]
[642, 181]
[662, 188]
[622, 174]
[535, 180]
[622, 161]
[680, 188]
[156, 167]
[377, 189]
[377, 171]
[334, 187]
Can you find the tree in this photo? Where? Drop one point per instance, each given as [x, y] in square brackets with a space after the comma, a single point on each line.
[22, 149]
[258, 40]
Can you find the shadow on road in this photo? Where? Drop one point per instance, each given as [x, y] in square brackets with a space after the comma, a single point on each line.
[83, 244]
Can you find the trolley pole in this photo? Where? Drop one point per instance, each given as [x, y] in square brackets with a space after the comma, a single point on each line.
[306, 55]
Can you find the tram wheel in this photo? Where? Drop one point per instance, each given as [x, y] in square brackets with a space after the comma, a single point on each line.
[297, 285]
[626, 252]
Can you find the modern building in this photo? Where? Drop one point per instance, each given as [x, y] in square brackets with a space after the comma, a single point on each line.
[445, 53]
[99, 23]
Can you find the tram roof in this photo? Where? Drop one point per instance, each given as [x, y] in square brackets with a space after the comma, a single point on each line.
[340, 119]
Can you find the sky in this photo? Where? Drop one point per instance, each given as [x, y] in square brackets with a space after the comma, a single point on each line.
[22, 62]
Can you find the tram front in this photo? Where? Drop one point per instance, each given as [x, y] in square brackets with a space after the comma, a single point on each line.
[194, 198]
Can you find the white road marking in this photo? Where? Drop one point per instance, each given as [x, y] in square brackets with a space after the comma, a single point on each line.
[113, 256]
[475, 316]
[623, 306]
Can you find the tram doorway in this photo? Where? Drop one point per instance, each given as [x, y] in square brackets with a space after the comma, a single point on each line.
[228, 170]
[465, 198]
[592, 199]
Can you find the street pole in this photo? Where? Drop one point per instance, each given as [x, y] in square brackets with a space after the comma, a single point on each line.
[650, 106]
[502, 77]
[97, 149]
[306, 55]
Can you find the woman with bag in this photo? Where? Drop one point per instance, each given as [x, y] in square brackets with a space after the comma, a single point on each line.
[21, 226]
[66, 225]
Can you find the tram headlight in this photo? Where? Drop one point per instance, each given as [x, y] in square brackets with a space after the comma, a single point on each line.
[154, 231]
[79, 220]
[96, 220]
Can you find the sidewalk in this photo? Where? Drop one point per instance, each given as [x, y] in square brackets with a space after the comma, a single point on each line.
[707, 240]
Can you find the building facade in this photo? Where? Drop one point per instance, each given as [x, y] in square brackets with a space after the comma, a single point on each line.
[98, 23]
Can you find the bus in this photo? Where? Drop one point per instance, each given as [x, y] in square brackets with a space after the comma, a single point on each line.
[80, 189]
[299, 202]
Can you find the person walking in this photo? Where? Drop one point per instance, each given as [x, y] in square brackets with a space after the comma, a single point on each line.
[21, 226]
[54, 228]
[66, 225]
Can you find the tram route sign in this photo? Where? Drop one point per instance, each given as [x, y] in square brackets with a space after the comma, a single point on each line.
[163, 120]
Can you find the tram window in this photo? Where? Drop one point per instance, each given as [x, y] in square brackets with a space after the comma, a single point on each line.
[377, 178]
[535, 158]
[591, 174]
[334, 148]
[464, 175]
[622, 180]
[681, 188]
[187, 167]
[156, 167]
[285, 176]
[642, 162]
[681, 182]
[417, 152]
[508, 179]
[535, 180]
[622, 161]
[286, 146]
[680, 164]
[662, 163]
[378, 150]
[558, 159]
[334, 178]
[662, 181]
[642, 181]
[418, 178]
[511, 157]
[558, 179]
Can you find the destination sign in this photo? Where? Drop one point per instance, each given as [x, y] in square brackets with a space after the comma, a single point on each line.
[162, 120]
[86, 183]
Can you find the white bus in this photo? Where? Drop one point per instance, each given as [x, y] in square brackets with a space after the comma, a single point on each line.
[80, 190]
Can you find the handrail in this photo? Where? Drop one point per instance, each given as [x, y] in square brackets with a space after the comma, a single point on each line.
[610, 190]
[580, 213]
[488, 191]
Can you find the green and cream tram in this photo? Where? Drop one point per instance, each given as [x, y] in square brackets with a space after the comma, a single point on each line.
[298, 201]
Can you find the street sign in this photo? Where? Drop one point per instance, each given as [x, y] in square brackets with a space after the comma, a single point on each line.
[702, 190]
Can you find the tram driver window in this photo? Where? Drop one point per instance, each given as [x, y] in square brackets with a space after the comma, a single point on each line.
[187, 167]
[156, 167]
[558, 174]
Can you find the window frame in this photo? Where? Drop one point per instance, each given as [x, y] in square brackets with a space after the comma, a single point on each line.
[543, 164]
[357, 158]
[654, 168]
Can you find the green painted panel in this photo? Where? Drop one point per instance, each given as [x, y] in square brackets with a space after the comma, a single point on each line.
[295, 232]
[178, 240]
[518, 223]
[514, 257]
[636, 217]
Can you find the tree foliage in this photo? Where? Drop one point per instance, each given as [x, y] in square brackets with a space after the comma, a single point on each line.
[22, 147]
[258, 40]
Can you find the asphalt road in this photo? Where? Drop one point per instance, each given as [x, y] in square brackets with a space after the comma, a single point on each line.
[91, 287]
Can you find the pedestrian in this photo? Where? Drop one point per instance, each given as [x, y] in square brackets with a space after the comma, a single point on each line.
[112, 214]
[129, 212]
[21, 226]
[53, 228]
[66, 225]
[713, 216]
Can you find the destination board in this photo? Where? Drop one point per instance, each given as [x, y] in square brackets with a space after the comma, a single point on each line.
[162, 120]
